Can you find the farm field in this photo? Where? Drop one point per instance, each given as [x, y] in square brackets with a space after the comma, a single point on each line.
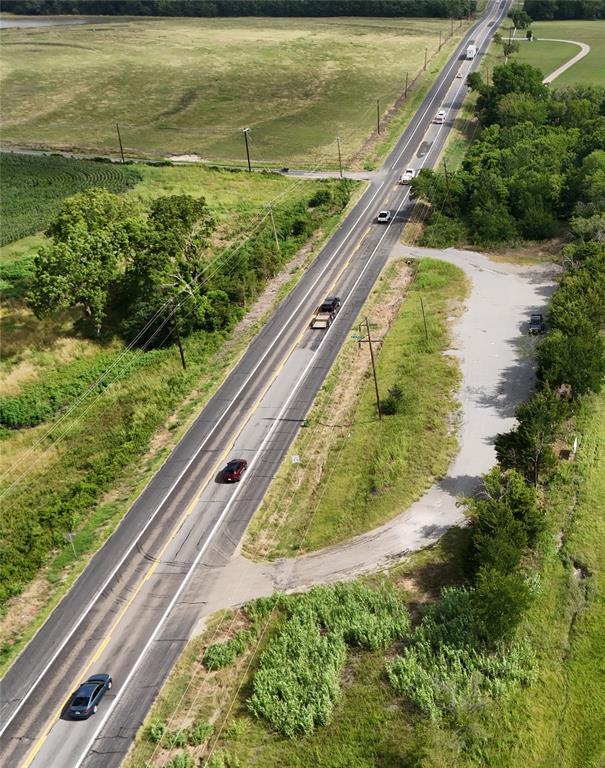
[191, 85]
[115, 438]
[34, 187]
[548, 56]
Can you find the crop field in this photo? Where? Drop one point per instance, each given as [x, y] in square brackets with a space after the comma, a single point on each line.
[548, 56]
[32, 188]
[192, 85]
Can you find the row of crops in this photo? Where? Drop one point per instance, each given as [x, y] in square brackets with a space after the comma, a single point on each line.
[34, 187]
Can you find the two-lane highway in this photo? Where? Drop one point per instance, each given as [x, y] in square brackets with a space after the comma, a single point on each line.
[133, 609]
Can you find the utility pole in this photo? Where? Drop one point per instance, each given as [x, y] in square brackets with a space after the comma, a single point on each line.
[425, 54]
[439, 39]
[245, 132]
[120, 142]
[378, 115]
[406, 85]
[274, 230]
[426, 330]
[452, 26]
[373, 369]
[339, 157]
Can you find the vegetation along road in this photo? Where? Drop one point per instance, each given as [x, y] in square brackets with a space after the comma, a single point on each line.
[136, 603]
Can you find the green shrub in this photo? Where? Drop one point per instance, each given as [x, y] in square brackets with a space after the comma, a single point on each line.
[297, 680]
[446, 669]
[157, 731]
[223, 654]
[41, 400]
[182, 760]
[296, 684]
[321, 197]
[442, 232]
[200, 732]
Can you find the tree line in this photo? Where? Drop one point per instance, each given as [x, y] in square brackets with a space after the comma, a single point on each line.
[547, 10]
[151, 275]
[210, 8]
[536, 166]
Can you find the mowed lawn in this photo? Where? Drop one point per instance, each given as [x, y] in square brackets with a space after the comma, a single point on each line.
[548, 56]
[192, 85]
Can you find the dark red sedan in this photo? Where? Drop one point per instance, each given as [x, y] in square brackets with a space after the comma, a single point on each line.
[234, 470]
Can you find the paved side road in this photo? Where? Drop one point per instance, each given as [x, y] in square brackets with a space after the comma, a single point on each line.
[496, 359]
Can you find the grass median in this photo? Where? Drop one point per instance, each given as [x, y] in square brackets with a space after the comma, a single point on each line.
[354, 471]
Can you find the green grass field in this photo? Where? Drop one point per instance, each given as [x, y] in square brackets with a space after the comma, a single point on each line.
[548, 56]
[191, 85]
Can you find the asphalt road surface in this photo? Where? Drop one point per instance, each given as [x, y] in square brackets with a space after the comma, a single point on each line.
[132, 610]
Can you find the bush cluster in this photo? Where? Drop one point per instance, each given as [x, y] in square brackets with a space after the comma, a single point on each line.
[297, 680]
[223, 654]
[538, 160]
[547, 10]
[193, 736]
[446, 670]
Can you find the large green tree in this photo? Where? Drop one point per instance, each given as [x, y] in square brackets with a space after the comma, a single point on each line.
[93, 238]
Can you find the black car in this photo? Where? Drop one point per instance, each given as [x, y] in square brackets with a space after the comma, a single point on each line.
[87, 698]
[536, 324]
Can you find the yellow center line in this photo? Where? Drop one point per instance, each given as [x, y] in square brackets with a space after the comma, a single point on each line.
[151, 570]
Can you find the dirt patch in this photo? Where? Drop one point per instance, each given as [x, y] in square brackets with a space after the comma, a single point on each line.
[527, 253]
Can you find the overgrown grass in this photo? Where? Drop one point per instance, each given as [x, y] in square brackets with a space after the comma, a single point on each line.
[374, 469]
[33, 188]
[306, 81]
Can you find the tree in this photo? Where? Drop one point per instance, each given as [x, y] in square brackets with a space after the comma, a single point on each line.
[94, 236]
[521, 19]
[577, 360]
[510, 46]
[515, 77]
[168, 283]
[528, 447]
[516, 108]
[500, 600]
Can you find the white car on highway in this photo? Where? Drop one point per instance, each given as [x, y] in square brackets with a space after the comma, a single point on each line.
[440, 116]
[407, 176]
[383, 217]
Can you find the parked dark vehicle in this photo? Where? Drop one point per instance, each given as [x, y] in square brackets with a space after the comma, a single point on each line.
[87, 698]
[536, 324]
[234, 470]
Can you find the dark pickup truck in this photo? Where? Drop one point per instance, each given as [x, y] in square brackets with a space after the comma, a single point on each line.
[325, 313]
[536, 324]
